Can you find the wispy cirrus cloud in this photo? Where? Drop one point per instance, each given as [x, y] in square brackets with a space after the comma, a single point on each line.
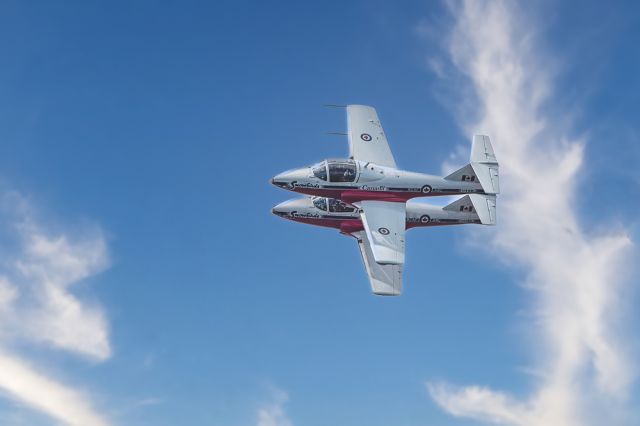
[37, 307]
[576, 279]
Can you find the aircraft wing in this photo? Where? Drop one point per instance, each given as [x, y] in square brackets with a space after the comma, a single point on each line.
[385, 224]
[367, 141]
[385, 280]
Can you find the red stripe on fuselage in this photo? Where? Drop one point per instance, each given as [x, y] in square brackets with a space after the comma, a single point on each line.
[354, 195]
[349, 226]
[345, 225]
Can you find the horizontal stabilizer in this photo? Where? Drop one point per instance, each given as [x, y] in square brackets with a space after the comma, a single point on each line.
[462, 204]
[465, 174]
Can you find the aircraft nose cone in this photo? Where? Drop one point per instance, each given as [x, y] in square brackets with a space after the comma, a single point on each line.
[282, 209]
[296, 205]
[280, 176]
[283, 180]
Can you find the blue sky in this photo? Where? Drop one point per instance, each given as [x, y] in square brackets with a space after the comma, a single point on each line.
[155, 128]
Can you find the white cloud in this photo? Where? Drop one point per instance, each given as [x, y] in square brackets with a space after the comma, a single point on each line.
[26, 385]
[49, 266]
[459, 156]
[479, 403]
[37, 271]
[272, 413]
[575, 278]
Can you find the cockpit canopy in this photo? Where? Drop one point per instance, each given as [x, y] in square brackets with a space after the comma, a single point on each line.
[333, 205]
[320, 170]
[320, 203]
[336, 170]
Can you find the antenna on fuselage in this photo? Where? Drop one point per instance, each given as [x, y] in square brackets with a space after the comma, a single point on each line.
[335, 133]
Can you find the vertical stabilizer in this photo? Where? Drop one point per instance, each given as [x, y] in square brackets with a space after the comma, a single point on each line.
[485, 207]
[484, 164]
[481, 206]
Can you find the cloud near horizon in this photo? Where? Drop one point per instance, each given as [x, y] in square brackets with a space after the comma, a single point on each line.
[273, 413]
[575, 280]
[37, 307]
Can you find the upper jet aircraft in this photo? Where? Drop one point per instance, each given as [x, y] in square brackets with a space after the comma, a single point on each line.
[370, 179]
[370, 172]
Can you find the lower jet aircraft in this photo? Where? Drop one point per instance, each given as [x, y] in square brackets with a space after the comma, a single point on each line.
[370, 180]
[386, 279]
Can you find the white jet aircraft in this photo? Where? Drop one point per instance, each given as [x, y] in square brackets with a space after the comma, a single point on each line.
[386, 279]
[370, 180]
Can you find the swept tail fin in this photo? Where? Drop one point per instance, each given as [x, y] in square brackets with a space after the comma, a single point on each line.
[485, 207]
[482, 168]
[485, 164]
[482, 206]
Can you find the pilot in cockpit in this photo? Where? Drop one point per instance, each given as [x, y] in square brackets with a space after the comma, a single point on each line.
[349, 175]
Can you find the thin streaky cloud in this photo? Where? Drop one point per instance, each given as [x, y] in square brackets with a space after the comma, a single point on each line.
[23, 383]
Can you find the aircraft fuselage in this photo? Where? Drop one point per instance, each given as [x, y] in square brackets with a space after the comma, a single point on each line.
[333, 213]
[352, 181]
